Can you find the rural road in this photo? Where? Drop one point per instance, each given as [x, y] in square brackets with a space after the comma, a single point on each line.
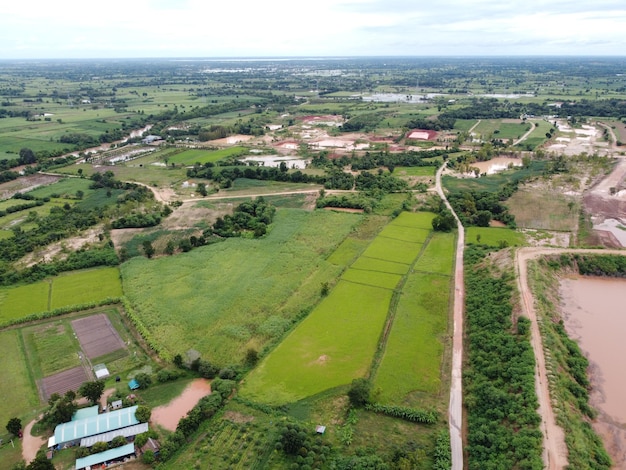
[554, 448]
[525, 136]
[31, 444]
[455, 411]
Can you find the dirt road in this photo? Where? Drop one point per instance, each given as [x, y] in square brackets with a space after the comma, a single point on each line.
[31, 444]
[455, 410]
[554, 448]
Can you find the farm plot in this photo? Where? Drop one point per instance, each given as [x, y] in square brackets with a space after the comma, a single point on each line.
[332, 346]
[16, 388]
[337, 341]
[189, 157]
[97, 336]
[494, 236]
[19, 302]
[224, 298]
[51, 348]
[64, 381]
[79, 287]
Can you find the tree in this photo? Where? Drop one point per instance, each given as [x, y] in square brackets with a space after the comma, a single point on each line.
[118, 441]
[143, 380]
[41, 462]
[14, 426]
[148, 249]
[27, 156]
[325, 289]
[143, 413]
[444, 222]
[92, 391]
[99, 447]
[202, 189]
[359, 393]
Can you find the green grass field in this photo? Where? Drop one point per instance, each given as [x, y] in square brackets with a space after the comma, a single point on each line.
[437, 257]
[19, 302]
[411, 365]
[415, 171]
[81, 287]
[16, 387]
[64, 187]
[494, 236]
[73, 288]
[332, 346]
[558, 211]
[190, 157]
[52, 347]
[337, 341]
[219, 299]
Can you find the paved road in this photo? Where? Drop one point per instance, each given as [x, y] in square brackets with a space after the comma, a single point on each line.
[455, 411]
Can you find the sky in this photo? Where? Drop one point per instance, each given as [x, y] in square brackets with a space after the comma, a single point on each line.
[36, 29]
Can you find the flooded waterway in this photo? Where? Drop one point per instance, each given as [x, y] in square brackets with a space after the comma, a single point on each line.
[169, 415]
[594, 315]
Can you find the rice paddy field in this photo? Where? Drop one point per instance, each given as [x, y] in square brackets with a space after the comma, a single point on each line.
[225, 298]
[339, 339]
[74, 288]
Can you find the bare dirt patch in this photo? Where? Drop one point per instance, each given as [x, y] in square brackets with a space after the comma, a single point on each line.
[60, 383]
[237, 417]
[25, 184]
[31, 444]
[97, 336]
[62, 249]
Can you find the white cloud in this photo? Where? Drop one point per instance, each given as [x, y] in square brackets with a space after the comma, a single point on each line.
[134, 28]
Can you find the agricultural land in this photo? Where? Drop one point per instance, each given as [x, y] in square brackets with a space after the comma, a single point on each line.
[333, 248]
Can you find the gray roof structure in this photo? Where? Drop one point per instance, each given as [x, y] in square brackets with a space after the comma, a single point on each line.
[109, 436]
[106, 456]
[103, 423]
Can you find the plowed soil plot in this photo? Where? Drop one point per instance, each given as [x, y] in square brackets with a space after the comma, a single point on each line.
[60, 383]
[97, 336]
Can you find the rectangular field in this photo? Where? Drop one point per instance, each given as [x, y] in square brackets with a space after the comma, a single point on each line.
[405, 233]
[494, 236]
[380, 265]
[52, 348]
[411, 365]
[332, 346]
[97, 336]
[79, 287]
[438, 256]
[16, 387]
[60, 383]
[372, 278]
[393, 250]
[189, 157]
[19, 302]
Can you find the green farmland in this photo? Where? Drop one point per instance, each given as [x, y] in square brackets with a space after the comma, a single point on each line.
[224, 298]
[338, 340]
[189, 157]
[494, 236]
[74, 288]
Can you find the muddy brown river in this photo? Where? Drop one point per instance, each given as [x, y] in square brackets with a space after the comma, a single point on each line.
[594, 312]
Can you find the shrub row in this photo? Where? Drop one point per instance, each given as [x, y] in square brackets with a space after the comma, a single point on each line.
[405, 413]
[60, 311]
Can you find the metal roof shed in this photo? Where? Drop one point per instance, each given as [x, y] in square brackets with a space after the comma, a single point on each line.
[109, 436]
[106, 456]
[74, 431]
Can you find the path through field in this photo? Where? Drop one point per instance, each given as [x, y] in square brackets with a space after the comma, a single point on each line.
[455, 413]
[31, 444]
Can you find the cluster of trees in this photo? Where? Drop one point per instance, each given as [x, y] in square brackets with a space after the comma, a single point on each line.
[499, 381]
[225, 176]
[372, 160]
[362, 123]
[83, 141]
[479, 207]
[347, 201]
[408, 414]
[248, 217]
[442, 122]
[137, 220]
[204, 410]
[383, 182]
[307, 450]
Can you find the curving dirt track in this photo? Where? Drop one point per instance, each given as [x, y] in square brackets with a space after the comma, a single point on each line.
[554, 448]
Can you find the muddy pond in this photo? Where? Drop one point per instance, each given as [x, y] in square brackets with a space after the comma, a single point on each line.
[169, 415]
[594, 315]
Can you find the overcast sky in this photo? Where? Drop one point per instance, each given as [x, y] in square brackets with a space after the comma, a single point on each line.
[277, 28]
